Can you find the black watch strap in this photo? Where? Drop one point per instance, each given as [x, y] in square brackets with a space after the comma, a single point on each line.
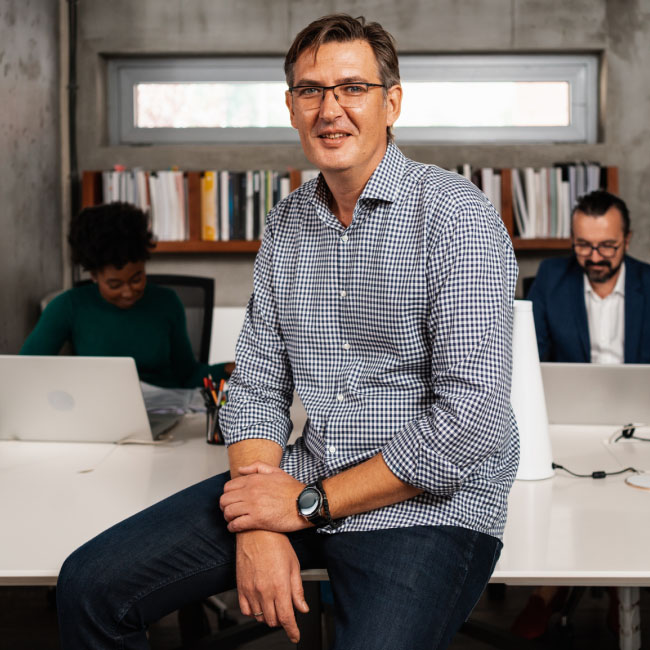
[325, 512]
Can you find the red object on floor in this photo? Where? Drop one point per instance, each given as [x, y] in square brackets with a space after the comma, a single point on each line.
[532, 622]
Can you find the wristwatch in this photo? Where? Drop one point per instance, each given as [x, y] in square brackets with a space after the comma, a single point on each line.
[313, 506]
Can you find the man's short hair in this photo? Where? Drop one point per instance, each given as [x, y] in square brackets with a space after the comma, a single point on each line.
[343, 28]
[597, 203]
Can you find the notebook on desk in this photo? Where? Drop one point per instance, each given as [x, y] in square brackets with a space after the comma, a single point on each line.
[70, 398]
[591, 393]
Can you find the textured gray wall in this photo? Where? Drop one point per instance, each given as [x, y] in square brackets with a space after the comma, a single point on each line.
[30, 219]
[619, 29]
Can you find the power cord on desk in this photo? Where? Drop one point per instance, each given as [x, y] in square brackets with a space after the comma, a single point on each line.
[627, 431]
[597, 474]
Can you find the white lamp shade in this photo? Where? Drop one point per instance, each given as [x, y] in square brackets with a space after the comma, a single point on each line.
[527, 398]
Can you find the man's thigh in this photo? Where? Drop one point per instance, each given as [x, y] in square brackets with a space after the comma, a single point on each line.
[175, 552]
[406, 588]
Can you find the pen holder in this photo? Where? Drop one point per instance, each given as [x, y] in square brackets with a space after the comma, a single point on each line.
[213, 434]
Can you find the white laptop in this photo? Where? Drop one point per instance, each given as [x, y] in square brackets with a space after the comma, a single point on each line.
[70, 398]
[591, 393]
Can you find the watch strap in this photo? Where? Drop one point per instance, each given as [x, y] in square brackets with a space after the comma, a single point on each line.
[325, 514]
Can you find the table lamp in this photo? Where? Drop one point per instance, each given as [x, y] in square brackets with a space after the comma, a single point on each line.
[527, 397]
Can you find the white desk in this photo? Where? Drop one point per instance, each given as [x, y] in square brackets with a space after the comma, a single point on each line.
[563, 530]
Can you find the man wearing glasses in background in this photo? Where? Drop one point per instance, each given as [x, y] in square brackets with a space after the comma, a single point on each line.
[591, 307]
[383, 294]
[594, 306]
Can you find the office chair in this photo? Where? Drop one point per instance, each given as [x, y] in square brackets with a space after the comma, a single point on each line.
[197, 295]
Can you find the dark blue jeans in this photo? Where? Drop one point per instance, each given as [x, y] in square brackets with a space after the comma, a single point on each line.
[402, 588]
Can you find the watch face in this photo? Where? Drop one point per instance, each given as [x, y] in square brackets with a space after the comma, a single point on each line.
[309, 501]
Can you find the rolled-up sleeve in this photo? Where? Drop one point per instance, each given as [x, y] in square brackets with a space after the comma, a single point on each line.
[260, 390]
[471, 277]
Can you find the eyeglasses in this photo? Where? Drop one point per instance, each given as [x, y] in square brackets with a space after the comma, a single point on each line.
[348, 95]
[584, 249]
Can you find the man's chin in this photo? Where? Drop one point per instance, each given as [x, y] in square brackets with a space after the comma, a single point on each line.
[600, 276]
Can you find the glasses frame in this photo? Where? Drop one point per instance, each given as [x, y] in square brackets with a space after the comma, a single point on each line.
[324, 89]
[596, 248]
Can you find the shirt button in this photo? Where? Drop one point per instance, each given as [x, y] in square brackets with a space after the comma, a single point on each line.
[339, 397]
[332, 449]
[344, 239]
[346, 346]
[344, 293]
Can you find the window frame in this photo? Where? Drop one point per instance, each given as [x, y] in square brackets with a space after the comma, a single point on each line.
[579, 70]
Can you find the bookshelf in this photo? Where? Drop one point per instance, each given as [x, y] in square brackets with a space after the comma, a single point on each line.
[92, 195]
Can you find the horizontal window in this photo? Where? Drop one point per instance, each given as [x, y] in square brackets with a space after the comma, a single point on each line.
[477, 98]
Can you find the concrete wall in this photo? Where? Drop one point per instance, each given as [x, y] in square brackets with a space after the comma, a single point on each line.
[619, 29]
[30, 216]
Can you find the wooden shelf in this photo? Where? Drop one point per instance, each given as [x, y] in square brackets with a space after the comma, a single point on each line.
[541, 244]
[92, 195]
[199, 246]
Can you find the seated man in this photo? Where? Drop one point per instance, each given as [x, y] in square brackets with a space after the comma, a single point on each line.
[595, 305]
[590, 307]
[384, 296]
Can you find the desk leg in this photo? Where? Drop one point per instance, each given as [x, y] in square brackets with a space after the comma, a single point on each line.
[629, 616]
[310, 623]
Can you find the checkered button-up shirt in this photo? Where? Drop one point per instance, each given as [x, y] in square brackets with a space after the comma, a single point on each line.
[396, 334]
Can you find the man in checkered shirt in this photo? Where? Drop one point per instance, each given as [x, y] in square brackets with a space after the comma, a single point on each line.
[383, 296]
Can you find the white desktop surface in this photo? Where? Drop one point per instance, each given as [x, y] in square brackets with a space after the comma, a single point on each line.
[563, 530]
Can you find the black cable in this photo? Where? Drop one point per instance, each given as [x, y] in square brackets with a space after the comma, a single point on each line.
[597, 474]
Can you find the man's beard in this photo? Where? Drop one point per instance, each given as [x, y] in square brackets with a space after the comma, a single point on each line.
[600, 272]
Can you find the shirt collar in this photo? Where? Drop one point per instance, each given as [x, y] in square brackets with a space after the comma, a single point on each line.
[619, 287]
[384, 184]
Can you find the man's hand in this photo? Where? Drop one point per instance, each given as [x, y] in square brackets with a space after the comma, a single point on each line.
[263, 497]
[268, 580]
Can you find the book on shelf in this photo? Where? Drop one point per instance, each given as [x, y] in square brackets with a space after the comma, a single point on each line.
[212, 205]
[541, 199]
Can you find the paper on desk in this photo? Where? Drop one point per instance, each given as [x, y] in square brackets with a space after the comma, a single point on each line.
[171, 400]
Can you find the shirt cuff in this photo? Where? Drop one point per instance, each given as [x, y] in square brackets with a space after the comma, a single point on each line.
[410, 457]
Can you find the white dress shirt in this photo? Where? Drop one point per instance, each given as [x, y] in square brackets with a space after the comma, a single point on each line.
[606, 318]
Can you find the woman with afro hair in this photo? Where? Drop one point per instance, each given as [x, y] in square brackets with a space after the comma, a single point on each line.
[119, 314]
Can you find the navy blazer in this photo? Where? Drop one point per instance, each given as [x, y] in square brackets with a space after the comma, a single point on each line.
[561, 315]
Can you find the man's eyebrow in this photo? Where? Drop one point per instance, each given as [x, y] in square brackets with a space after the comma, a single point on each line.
[344, 80]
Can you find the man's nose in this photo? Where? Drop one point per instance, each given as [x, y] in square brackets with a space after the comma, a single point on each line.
[330, 107]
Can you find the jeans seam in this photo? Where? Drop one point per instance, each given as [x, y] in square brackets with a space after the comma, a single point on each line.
[147, 592]
[459, 590]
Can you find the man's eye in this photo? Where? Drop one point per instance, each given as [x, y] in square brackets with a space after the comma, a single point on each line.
[353, 89]
[308, 92]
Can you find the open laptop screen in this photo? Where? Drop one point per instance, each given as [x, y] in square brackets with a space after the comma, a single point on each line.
[591, 393]
[71, 398]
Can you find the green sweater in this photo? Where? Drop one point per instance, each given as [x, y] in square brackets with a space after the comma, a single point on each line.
[153, 332]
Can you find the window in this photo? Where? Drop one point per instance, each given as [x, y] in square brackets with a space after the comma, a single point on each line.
[463, 98]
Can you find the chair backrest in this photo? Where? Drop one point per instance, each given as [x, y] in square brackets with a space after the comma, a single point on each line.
[197, 295]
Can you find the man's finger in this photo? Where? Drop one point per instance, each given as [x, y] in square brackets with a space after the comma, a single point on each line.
[298, 593]
[235, 510]
[257, 468]
[287, 618]
[240, 524]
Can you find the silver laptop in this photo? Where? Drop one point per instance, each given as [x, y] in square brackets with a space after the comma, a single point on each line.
[591, 393]
[69, 398]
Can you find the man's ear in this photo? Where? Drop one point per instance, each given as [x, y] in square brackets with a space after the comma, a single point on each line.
[288, 100]
[93, 276]
[393, 104]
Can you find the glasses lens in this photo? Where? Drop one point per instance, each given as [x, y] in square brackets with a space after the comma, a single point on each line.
[352, 95]
[604, 250]
[607, 250]
[347, 95]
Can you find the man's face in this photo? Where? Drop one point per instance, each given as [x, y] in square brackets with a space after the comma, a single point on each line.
[121, 287]
[606, 229]
[337, 139]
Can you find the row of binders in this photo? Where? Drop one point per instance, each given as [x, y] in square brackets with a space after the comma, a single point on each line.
[233, 205]
[542, 199]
